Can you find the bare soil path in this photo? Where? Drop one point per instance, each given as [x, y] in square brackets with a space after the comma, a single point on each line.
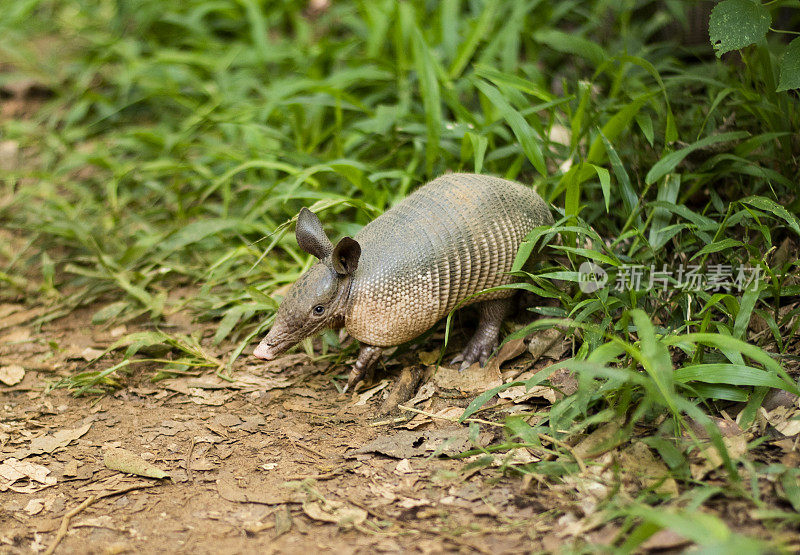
[278, 461]
[275, 461]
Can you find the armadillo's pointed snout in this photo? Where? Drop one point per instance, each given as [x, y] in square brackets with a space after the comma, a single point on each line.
[265, 351]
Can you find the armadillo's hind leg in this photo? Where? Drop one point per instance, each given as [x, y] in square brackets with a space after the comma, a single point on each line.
[367, 357]
[484, 341]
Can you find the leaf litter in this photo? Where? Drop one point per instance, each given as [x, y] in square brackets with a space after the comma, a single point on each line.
[282, 438]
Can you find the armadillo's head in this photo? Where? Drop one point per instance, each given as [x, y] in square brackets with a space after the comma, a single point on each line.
[318, 299]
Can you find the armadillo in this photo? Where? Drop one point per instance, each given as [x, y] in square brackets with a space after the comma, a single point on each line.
[405, 270]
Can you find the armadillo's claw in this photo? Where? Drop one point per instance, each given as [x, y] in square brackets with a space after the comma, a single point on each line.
[484, 342]
[475, 351]
[367, 358]
[465, 362]
[355, 376]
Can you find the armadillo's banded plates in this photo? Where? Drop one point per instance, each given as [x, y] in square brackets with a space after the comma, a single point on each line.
[454, 237]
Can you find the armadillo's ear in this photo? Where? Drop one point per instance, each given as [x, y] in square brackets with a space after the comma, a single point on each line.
[345, 256]
[310, 235]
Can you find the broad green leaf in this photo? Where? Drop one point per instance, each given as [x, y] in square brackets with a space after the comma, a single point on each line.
[199, 230]
[429, 87]
[629, 197]
[735, 24]
[605, 183]
[522, 130]
[654, 355]
[671, 160]
[731, 374]
[702, 528]
[645, 123]
[480, 31]
[667, 193]
[108, 312]
[769, 205]
[720, 391]
[521, 429]
[790, 480]
[524, 85]
[615, 125]
[717, 246]
[746, 305]
[790, 67]
[478, 145]
[681, 210]
[588, 253]
[227, 324]
[570, 43]
[723, 342]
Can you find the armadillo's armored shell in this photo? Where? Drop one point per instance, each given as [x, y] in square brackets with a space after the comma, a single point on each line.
[453, 237]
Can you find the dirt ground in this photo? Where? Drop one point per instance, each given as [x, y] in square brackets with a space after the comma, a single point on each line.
[277, 460]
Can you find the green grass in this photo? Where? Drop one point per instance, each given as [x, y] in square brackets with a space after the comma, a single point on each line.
[181, 138]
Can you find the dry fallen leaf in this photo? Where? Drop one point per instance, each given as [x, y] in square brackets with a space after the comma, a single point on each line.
[409, 503]
[547, 343]
[13, 469]
[368, 394]
[102, 521]
[345, 515]
[428, 358]
[403, 467]
[34, 506]
[423, 394]
[521, 393]
[20, 317]
[265, 494]
[472, 380]
[283, 521]
[711, 459]
[18, 335]
[666, 539]
[603, 439]
[11, 375]
[123, 460]
[89, 354]
[50, 442]
[639, 462]
[71, 468]
[407, 444]
[509, 351]
[784, 419]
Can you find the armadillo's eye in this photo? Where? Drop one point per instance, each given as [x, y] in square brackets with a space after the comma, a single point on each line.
[319, 309]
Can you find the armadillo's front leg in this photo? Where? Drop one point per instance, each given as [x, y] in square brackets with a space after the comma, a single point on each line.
[484, 341]
[368, 356]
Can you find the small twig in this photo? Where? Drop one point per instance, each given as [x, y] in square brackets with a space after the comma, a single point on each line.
[567, 448]
[311, 450]
[258, 527]
[189, 461]
[449, 418]
[325, 476]
[64, 528]
[395, 420]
